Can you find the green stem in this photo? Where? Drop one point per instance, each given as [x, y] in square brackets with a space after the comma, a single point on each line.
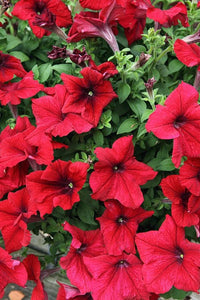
[169, 48]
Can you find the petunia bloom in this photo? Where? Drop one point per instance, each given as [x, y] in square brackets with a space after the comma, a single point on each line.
[116, 277]
[169, 17]
[57, 185]
[43, 15]
[88, 95]
[118, 175]
[190, 175]
[134, 19]
[14, 215]
[50, 118]
[185, 206]
[188, 54]
[178, 119]
[10, 66]
[97, 24]
[119, 225]
[84, 244]
[13, 92]
[169, 259]
[71, 293]
[32, 265]
[11, 271]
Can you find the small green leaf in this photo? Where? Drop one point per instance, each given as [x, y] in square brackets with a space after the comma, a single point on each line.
[63, 68]
[98, 138]
[123, 91]
[174, 66]
[45, 71]
[137, 106]
[20, 55]
[85, 213]
[127, 126]
[12, 42]
[166, 165]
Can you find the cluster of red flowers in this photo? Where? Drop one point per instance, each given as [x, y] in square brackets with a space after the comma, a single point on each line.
[101, 264]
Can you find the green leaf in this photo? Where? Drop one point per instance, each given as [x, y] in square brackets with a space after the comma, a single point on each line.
[12, 42]
[85, 213]
[20, 55]
[127, 126]
[138, 49]
[137, 106]
[63, 68]
[175, 294]
[98, 138]
[123, 91]
[45, 71]
[36, 72]
[166, 165]
[174, 66]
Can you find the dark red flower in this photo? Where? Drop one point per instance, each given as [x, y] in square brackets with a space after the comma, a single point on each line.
[32, 265]
[97, 24]
[11, 271]
[134, 19]
[117, 277]
[169, 259]
[13, 178]
[10, 66]
[178, 119]
[84, 244]
[107, 69]
[50, 118]
[13, 92]
[57, 185]
[95, 5]
[185, 206]
[169, 17]
[18, 146]
[88, 95]
[119, 225]
[190, 175]
[71, 293]
[14, 215]
[188, 54]
[118, 175]
[43, 15]
[198, 4]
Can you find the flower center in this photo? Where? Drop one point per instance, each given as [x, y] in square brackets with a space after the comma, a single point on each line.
[122, 263]
[90, 93]
[180, 121]
[118, 168]
[179, 254]
[67, 187]
[82, 248]
[185, 197]
[121, 220]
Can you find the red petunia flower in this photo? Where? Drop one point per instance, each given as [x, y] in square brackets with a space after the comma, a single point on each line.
[13, 92]
[11, 271]
[185, 206]
[134, 19]
[88, 95]
[119, 225]
[97, 24]
[188, 54]
[13, 178]
[14, 215]
[71, 293]
[118, 174]
[18, 146]
[117, 277]
[179, 119]
[43, 15]
[84, 244]
[10, 66]
[169, 259]
[169, 17]
[198, 4]
[32, 265]
[107, 69]
[57, 185]
[50, 118]
[95, 5]
[190, 175]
